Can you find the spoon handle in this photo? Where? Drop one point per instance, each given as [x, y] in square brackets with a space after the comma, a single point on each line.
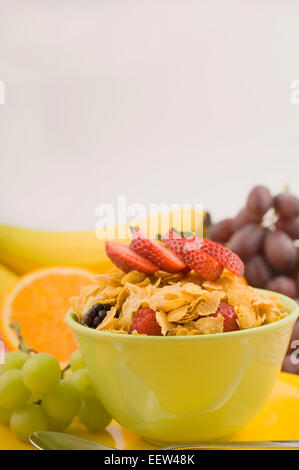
[237, 445]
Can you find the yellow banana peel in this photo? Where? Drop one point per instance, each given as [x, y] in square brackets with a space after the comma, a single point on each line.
[7, 279]
[23, 249]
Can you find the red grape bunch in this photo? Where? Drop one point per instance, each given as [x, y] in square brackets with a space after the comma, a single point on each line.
[265, 234]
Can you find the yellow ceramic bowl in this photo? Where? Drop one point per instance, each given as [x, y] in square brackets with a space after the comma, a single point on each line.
[186, 388]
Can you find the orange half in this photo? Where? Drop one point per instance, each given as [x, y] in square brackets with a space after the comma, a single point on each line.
[39, 301]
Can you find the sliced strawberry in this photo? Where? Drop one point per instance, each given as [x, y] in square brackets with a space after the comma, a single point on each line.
[206, 266]
[156, 253]
[226, 257]
[230, 318]
[175, 242]
[125, 259]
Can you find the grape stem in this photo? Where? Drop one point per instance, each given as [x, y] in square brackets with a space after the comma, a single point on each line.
[22, 345]
[67, 367]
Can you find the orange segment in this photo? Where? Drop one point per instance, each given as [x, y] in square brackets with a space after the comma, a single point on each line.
[39, 301]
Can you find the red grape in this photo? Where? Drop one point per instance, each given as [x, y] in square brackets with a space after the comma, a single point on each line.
[295, 269]
[243, 218]
[221, 231]
[295, 335]
[287, 205]
[283, 284]
[207, 219]
[259, 200]
[257, 271]
[288, 365]
[247, 241]
[290, 226]
[280, 250]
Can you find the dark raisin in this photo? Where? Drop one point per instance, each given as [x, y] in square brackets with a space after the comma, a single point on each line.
[102, 314]
[106, 307]
[97, 310]
[96, 322]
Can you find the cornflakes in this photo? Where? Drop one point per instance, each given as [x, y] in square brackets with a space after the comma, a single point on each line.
[184, 305]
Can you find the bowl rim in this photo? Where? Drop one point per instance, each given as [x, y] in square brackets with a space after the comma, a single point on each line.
[290, 304]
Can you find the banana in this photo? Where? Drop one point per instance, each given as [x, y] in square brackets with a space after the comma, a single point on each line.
[7, 278]
[23, 250]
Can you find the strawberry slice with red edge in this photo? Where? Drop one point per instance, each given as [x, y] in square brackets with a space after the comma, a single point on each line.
[206, 266]
[156, 253]
[229, 315]
[226, 257]
[175, 242]
[127, 260]
[223, 255]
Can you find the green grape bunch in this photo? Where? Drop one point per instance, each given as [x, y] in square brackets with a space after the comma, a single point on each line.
[36, 394]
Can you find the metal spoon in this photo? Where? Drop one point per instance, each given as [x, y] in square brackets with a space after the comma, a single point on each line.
[47, 440]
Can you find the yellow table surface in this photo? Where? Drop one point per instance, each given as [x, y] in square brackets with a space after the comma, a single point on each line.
[278, 420]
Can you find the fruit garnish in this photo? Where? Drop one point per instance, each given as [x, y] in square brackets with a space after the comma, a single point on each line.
[176, 242]
[202, 263]
[156, 253]
[144, 322]
[38, 302]
[127, 260]
[229, 315]
[95, 315]
[224, 256]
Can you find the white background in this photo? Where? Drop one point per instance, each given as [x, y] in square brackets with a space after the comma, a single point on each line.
[161, 100]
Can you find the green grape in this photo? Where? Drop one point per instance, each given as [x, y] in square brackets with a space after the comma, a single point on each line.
[41, 373]
[14, 360]
[62, 403]
[81, 380]
[5, 415]
[57, 426]
[26, 420]
[93, 415]
[34, 398]
[13, 392]
[76, 361]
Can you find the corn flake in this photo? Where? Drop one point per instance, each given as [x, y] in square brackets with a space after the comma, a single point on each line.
[183, 303]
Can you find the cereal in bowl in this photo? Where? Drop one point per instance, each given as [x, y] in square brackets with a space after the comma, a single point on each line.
[166, 304]
[174, 287]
